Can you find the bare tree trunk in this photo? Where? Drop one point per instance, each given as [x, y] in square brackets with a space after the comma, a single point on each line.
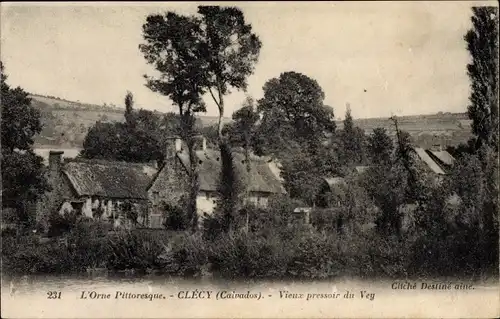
[249, 169]
[188, 135]
[193, 186]
[221, 118]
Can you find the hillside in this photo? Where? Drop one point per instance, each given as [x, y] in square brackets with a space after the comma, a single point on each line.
[65, 123]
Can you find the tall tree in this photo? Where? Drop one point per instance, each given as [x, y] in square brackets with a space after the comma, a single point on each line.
[405, 155]
[293, 110]
[231, 50]
[129, 108]
[482, 44]
[294, 128]
[352, 139]
[380, 147]
[139, 139]
[23, 180]
[241, 132]
[174, 46]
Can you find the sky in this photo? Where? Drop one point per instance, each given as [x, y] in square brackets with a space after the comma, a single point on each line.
[382, 58]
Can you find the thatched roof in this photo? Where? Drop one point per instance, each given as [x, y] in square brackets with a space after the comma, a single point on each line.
[109, 179]
[261, 178]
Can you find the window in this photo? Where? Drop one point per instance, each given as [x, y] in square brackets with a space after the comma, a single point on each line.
[263, 201]
[156, 196]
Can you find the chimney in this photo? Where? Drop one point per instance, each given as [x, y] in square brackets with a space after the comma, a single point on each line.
[178, 144]
[203, 143]
[55, 161]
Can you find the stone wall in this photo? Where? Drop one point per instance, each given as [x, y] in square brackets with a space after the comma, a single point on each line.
[169, 186]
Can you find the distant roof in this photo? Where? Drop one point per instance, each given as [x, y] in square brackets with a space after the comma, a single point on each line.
[422, 154]
[332, 181]
[109, 179]
[361, 169]
[262, 178]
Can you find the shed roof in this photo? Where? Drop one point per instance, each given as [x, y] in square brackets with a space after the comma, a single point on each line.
[109, 179]
[444, 157]
[361, 169]
[422, 154]
[261, 178]
[334, 181]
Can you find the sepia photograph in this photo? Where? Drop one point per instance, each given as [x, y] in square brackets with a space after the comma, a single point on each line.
[250, 159]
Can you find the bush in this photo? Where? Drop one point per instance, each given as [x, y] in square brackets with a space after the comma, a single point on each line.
[83, 247]
[135, 251]
[247, 256]
[175, 217]
[87, 242]
[188, 258]
[60, 224]
[314, 257]
[212, 226]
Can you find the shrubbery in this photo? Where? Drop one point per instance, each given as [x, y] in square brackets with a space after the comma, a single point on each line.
[438, 242]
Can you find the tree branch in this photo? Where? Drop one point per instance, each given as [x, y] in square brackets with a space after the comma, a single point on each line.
[213, 96]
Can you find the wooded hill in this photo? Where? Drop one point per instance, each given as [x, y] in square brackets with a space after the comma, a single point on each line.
[65, 123]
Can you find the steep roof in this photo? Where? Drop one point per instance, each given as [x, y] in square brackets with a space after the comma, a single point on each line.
[261, 178]
[444, 157]
[422, 154]
[109, 179]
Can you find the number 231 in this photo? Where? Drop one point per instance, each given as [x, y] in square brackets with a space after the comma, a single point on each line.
[53, 295]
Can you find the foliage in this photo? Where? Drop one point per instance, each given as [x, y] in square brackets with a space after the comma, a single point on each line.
[135, 251]
[293, 129]
[281, 207]
[482, 44]
[175, 217]
[60, 224]
[301, 176]
[20, 121]
[213, 225]
[242, 132]
[380, 147]
[22, 170]
[352, 140]
[129, 211]
[386, 186]
[173, 45]
[129, 105]
[230, 51]
[243, 256]
[188, 258]
[229, 188]
[142, 138]
[212, 51]
[292, 110]
[83, 247]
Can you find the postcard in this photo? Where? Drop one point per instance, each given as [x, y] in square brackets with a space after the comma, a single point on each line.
[250, 159]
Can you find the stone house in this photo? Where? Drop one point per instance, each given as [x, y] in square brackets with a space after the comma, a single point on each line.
[96, 189]
[171, 181]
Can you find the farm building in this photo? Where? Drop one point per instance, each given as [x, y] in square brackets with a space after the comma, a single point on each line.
[96, 189]
[171, 181]
[437, 160]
